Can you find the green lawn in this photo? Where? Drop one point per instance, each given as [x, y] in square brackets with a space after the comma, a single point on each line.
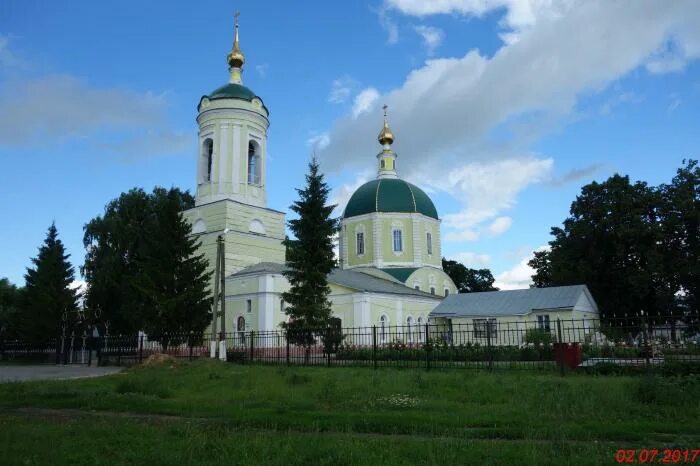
[209, 412]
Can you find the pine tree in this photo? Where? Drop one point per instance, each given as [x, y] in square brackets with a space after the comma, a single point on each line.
[48, 299]
[310, 259]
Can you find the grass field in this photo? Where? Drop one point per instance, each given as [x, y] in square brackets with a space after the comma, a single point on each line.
[211, 412]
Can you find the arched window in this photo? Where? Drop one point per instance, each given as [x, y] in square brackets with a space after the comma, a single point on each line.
[240, 328]
[429, 241]
[360, 236]
[398, 240]
[420, 329]
[383, 323]
[381, 163]
[207, 160]
[253, 163]
[447, 292]
[409, 328]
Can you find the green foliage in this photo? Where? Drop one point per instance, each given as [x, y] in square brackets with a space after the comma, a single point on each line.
[10, 297]
[142, 266]
[48, 299]
[310, 259]
[468, 280]
[614, 242]
[539, 338]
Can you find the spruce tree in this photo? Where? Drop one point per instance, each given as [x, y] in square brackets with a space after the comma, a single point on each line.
[48, 299]
[310, 259]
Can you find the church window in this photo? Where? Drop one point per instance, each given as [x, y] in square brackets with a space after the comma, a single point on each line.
[282, 305]
[381, 163]
[432, 290]
[543, 322]
[383, 321]
[208, 160]
[398, 241]
[360, 243]
[429, 240]
[447, 292]
[240, 328]
[417, 287]
[409, 328]
[484, 328]
[253, 163]
[249, 305]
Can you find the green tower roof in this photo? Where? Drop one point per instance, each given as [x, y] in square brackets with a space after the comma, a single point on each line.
[234, 91]
[389, 195]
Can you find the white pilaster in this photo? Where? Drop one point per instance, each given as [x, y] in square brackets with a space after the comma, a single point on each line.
[236, 168]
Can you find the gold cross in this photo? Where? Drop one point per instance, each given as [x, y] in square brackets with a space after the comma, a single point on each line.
[385, 107]
[236, 15]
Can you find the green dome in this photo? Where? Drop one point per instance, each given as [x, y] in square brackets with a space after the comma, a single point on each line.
[389, 195]
[233, 91]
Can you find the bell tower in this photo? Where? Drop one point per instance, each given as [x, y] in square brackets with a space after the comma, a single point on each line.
[231, 166]
[233, 123]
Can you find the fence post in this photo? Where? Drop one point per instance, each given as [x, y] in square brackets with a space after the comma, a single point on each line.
[489, 353]
[374, 346]
[140, 343]
[562, 352]
[286, 337]
[252, 336]
[328, 349]
[427, 348]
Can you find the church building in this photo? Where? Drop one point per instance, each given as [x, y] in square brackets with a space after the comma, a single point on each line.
[390, 269]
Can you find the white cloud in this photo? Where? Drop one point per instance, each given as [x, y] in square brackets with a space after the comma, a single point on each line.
[364, 101]
[262, 70]
[389, 25]
[500, 226]
[445, 111]
[485, 189]
[7, 58]
[341, 89]
[472, 260]
[519, 276]
[432, 37]
[676, 101]
[342, 194]
[51, 108]
[318, 141]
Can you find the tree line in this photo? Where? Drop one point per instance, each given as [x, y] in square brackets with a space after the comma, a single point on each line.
[636, 246]
[142, 269]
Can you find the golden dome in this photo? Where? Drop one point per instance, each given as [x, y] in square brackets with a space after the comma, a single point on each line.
[235, 57]
[385, 135]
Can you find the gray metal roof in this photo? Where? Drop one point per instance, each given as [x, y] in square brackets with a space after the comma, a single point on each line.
[348, 278]
[511, 302]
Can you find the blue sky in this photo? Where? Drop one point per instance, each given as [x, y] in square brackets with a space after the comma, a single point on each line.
[502, 109]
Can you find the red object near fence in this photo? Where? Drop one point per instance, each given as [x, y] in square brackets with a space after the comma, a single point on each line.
[568, 354]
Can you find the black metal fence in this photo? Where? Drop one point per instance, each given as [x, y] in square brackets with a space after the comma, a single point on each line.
[471, 343]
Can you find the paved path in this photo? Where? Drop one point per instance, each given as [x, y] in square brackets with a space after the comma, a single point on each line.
[15, 373]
